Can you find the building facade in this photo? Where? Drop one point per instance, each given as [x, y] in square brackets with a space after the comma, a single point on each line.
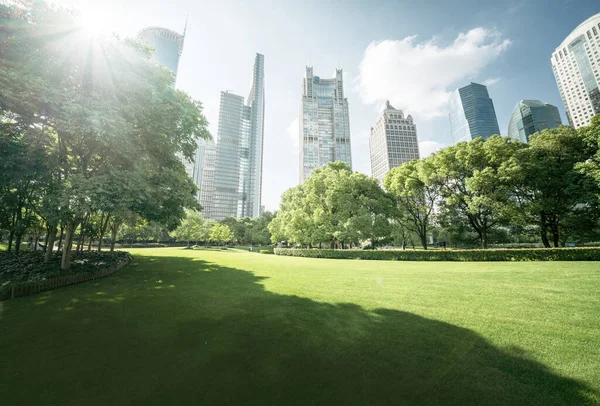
[167, 45]
[530, 117]
[576, 67]
[472, 114]
[231, 184]
[324, 134]
[392, 142]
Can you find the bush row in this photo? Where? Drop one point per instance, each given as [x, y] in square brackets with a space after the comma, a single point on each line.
[30, 267]
[540, 254]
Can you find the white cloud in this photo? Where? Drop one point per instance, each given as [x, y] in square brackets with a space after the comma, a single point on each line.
[418, 77]
[427, 148]
[293, 131]
[490, 81]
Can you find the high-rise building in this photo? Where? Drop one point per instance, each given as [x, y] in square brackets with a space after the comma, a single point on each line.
[167, 45]
[324, 124]
[231, 183]
[576, 66]
[392, 142]
[530, 117]
[472, 114]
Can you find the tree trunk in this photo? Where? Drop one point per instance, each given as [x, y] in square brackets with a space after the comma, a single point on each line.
[103, 225]
[484, 242]
[79, 240]
[11, 235]
[113, 237]
[60, 239]
[544, 230]
[65, 263]
[423, 238]
[47, 238]
[556, 238]
[90, 244]
[19, 232]
[35, 241]
[50, 244]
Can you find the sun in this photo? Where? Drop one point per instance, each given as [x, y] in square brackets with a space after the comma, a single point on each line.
[95, 19]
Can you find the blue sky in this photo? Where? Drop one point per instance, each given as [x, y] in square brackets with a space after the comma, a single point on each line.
[411, 52]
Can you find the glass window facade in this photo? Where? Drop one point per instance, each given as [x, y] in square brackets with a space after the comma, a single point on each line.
[472, 114]
[530, 117]
[324, 123]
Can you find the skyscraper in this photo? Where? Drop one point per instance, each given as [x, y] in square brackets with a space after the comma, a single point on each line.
[530, 117]
[232, 172]
[472, 114]
[576, 68]
[324, 124]
[167, 44]
[392, 141]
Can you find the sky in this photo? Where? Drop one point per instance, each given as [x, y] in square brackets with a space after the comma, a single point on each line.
[413, 53]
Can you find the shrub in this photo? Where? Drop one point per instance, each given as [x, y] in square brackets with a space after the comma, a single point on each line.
[267, 251]
[541, 254]
[30, 267]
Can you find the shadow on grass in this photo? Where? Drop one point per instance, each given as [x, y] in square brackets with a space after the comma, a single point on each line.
[172, 330]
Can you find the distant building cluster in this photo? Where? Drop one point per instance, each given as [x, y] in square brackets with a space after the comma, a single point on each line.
[228, 172]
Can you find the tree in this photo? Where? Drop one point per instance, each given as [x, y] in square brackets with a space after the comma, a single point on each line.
[549, 183]
[416, 187]
[472, 184]
[220, 234]
[190, 228]
[117, 135]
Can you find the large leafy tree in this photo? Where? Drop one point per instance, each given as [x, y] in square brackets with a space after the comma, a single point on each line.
[416, 187]
[550, 185]
[471, 182]
[118, 125]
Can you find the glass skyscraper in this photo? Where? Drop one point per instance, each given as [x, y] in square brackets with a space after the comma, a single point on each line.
[392, 142]
[576, 68]
[231, 184]
[167, 44]
[472, 114]
[324, 123]
[530, 117]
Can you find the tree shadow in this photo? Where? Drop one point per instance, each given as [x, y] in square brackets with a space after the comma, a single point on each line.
[216, 336]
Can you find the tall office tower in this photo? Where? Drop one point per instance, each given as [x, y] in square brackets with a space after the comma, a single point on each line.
[168, 46]
[206, 178]
[238, 154]
[392, 141]
[472, 114]
[324, 124]
[576, 66]
[530, 117]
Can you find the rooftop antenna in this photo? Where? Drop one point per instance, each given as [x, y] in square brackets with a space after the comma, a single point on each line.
[185, 26]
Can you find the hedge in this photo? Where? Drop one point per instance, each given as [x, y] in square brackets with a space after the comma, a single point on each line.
[535, 254]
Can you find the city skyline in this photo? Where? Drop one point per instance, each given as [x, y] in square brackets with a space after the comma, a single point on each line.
[504, 45]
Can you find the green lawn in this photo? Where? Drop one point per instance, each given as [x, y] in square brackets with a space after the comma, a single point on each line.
[231, 327]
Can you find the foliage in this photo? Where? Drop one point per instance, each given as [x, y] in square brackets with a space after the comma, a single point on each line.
[549, 185]
[416, 187]
[471, 184]
[220, 234]
[334, 206]
[31, 267]
[90, 140]
[572, 254]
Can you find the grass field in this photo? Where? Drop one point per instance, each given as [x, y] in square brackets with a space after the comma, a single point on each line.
[230, 327]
